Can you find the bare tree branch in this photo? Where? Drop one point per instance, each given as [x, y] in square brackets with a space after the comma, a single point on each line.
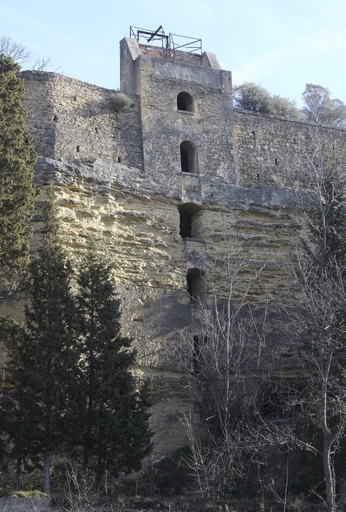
[18, 52]
[315, 304]
[41, 64]
[21, 55]
[229, 373]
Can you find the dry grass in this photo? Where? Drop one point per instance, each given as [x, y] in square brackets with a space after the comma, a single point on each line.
[119, 101]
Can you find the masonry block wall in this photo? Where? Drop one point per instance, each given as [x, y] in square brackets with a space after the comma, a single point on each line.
[273, 151]
[76, 121]
[166, 188]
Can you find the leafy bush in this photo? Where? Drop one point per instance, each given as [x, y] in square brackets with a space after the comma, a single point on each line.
[249, 96]
[321, 108]
[318, 108]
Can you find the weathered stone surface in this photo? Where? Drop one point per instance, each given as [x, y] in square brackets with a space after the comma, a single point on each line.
[274, 151]
[74, 120]
[119, 179]
[29, 504]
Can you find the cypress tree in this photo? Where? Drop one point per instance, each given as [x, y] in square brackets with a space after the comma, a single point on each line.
[17, 157]
[44, 356]
[115, 434]
[19, 410]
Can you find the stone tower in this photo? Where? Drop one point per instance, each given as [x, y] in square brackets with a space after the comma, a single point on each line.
[187, 127]
[186, 114]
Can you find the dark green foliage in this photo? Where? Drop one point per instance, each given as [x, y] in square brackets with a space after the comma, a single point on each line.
[115, 434]
[69, 386]
[18, 407]
[44, 356]
[17, 157]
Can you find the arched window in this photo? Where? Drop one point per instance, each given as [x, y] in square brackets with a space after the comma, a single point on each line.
[188, 157]
[185, 102]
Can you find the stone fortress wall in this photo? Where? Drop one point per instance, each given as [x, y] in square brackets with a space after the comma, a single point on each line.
[119, 179]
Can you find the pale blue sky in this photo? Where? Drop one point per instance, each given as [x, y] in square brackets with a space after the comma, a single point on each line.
[280, 45]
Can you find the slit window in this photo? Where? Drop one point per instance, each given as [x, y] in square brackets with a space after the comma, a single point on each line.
[185, 102]
[185, 224]
[187, 220]
[196, 286]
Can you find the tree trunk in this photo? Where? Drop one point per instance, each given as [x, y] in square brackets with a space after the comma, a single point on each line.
[100, 464]
[98, 480]
[18, 473]
[327, 439]
[85, 474]
[329, 475]
[342, 490]
[46, 467]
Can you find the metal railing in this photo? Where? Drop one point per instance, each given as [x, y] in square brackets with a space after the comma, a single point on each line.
[185, 43]
[170, 42]
[150, 35]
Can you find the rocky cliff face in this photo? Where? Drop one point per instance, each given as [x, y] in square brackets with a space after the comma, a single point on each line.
[119, 179]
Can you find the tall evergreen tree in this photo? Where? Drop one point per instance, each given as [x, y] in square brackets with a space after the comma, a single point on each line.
[18, 407]
[17, 157]
[115, 434]
[44, 356]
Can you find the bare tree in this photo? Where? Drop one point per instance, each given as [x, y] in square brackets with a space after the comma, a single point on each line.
[21, 55]
[229, 374]
[18, 52]
[316, 306]
[41, 64]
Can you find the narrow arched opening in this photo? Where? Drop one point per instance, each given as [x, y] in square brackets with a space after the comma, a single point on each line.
[188, 157]
[196, 286]
[185, 102]
[184, 158]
